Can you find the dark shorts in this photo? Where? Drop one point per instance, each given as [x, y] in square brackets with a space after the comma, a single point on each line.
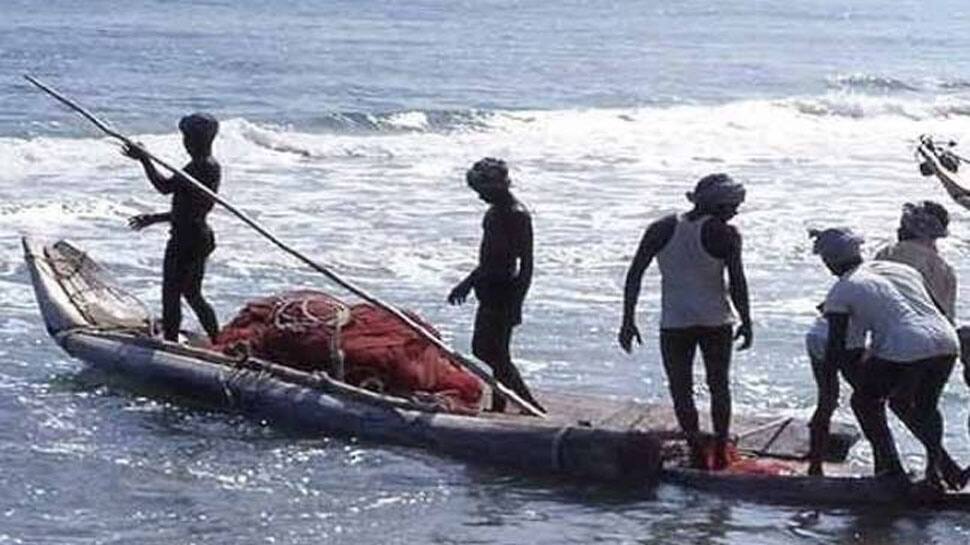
[493, 328]
[191, 244]
[184, 264]
[498, 310]
[711, 339]
[919, 381]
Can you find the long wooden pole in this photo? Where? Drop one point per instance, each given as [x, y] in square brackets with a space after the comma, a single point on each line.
[463, 360]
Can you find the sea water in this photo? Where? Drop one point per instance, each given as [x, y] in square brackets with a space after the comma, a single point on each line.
[346, 129]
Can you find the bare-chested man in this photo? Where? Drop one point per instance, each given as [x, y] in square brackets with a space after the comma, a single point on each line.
[191, 239]
[502, 277]
[693, 250]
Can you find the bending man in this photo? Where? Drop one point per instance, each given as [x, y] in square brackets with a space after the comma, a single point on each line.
[913, 349]
[919, 227]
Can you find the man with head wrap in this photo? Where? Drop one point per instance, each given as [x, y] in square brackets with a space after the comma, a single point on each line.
[693, 250]
[843, 248]
[913, 348]
[191, 239]
[502, 277]
[919, 227]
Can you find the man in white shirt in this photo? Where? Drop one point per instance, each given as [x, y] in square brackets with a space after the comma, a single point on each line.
[694, 251]
[919, 227]
[913, 349]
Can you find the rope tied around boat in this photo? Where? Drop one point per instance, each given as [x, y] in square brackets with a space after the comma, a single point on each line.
[231, 378]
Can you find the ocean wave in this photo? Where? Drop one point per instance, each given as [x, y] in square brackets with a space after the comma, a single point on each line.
[870, 82]
[956, 84]
[403, 121]
[591, 133]
[288, 140]
[856, 106]
[866, 83]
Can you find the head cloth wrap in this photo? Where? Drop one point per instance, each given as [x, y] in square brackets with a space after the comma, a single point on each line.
[200, 125]
[837, 245]
[717, 189]
[925, 220]
[488, 173]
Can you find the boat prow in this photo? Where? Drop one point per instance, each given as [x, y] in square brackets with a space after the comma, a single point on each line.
[73, 291]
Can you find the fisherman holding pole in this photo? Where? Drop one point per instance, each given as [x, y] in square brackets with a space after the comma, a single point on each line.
[185, 177]
[693, 250]
[191, 239]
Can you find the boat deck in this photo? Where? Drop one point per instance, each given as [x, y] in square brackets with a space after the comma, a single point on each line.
[784, 437]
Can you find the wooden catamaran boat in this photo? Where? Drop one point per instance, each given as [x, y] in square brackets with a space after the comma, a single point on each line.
[600, 439]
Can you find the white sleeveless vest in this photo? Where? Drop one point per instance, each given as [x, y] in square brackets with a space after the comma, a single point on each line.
[693, 290]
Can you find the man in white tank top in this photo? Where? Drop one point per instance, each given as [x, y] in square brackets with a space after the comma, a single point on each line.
[694, 250]
[913, 349]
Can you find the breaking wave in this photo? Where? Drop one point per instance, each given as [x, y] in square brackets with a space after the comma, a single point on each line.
[870, 82]
[586, 132]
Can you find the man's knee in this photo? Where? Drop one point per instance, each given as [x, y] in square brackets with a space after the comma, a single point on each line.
[195, 299]
[717, 384]
[822, 417]
[486, 350]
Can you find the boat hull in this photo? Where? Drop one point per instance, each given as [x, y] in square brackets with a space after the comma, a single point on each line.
[120, 346]
[526, 443]
[584, 437]
[829, 491]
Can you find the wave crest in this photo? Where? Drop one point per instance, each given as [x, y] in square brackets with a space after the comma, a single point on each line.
[870, 82]
[406, 121]
[856, 106]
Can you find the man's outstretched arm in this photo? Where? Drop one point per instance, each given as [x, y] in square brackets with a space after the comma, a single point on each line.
[827, 380]
[957, 192]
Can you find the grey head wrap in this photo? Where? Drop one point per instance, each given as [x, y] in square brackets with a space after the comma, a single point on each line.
[837, 245]
[717, 189]
[925, 220]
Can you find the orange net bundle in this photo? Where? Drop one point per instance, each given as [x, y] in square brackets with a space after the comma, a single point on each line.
[310, 330]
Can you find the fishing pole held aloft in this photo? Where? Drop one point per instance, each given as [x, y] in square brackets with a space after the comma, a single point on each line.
[462, 360]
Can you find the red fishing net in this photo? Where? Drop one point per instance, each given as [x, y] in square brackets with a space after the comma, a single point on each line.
[738, 463]
[309, 329]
